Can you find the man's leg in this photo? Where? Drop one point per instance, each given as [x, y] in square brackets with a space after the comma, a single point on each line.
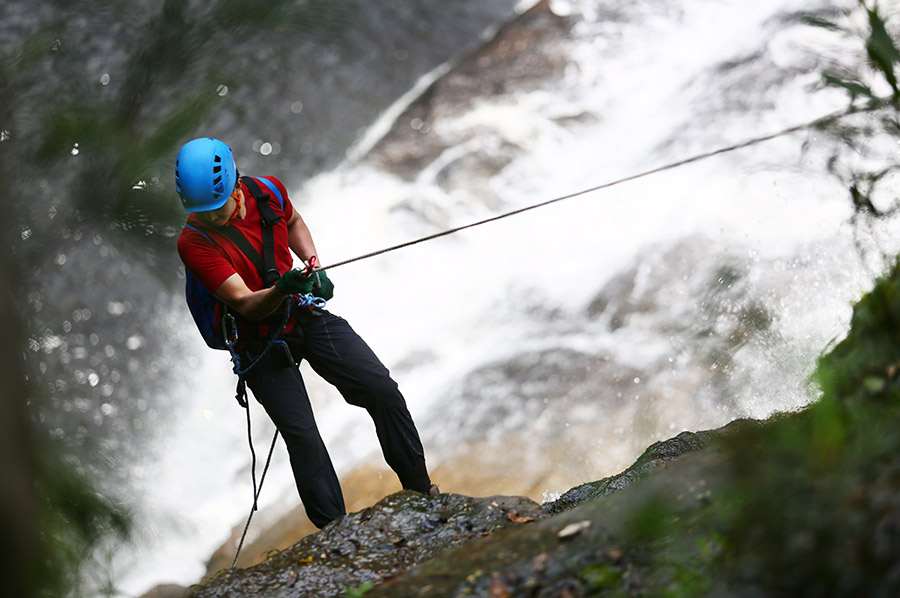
[342, 358]
[281, 391]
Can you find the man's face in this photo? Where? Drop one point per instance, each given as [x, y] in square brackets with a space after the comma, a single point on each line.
[221, 216]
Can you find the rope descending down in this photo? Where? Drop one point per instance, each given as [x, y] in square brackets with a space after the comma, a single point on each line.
[230, 334]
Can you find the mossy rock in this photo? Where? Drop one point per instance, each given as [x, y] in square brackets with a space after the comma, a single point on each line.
[369, 546]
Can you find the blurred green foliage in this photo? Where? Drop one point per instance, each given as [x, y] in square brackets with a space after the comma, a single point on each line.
[179, 59]
[862, 158]
[82, 155]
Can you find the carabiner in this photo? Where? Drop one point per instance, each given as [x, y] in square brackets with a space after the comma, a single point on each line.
[311, 268]
[229, 329]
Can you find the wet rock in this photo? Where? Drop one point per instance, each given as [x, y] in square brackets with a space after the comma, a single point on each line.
[654, 458]
[530, 387]
[373, 545]
[576, 553]
[520, 57]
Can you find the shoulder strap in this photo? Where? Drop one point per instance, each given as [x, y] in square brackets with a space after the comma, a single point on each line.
[267, 214]
[273, 188]
[269, 219]
[201, 231]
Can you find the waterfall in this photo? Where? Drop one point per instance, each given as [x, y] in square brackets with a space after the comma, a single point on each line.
[552, 347]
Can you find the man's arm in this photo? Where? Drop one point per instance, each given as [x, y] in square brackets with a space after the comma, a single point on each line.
[299, 238]
[253, 305]
[256, 305]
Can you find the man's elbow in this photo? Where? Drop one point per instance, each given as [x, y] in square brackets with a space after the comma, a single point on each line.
[248, 310]
[235, 294]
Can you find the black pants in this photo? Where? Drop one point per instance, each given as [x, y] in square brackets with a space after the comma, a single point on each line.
[342, 358]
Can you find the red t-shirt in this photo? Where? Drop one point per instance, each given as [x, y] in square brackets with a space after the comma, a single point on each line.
[212, 262]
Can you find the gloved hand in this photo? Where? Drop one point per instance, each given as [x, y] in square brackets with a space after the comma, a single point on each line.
[322, 287]
[295, 282]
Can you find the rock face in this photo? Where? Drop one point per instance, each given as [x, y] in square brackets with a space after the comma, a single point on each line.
[373, 545]
[519, 57]
[408, 542]
[578, 553]
[655, 457]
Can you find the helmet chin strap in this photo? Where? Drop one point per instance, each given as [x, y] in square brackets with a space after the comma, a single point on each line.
[237, 211]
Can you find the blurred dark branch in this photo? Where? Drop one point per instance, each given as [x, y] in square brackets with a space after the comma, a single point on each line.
[89, 156]
[126, 137]
[858, 159]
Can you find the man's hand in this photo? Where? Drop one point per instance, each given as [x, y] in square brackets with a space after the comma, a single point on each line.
[322, 287]
[295, 282]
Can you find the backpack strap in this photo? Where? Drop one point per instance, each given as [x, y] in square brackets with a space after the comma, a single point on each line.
[269, 219]
[266, 213]
[273, 188]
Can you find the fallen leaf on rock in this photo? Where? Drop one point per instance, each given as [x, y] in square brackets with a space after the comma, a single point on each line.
[573, 529]
[516, 518]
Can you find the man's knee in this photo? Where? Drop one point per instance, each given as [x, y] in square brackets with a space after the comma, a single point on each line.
[377, 393]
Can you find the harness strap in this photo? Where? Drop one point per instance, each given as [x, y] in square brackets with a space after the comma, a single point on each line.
[265, 263]
[269, 219]
[238, 238]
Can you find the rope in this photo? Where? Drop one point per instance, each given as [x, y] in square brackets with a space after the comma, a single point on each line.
[818, 122]
[310, 300]
[241, 396]
[255, 494]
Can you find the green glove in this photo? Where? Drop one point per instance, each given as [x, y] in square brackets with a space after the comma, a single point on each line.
[295, 282]
[323, 287]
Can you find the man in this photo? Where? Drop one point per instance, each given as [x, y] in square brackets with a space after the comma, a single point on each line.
[210, 189]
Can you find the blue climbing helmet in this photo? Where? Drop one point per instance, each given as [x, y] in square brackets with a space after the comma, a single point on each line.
[204, 174]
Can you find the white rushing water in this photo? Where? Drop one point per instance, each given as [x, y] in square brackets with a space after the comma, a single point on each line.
[641, 90]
